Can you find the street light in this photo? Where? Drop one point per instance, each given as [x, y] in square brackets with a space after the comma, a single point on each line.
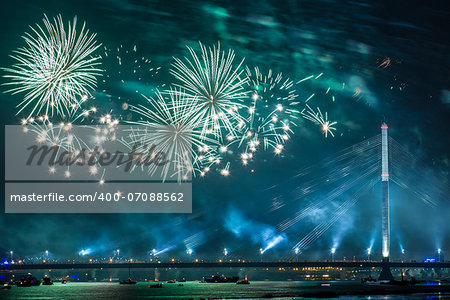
[333, 251]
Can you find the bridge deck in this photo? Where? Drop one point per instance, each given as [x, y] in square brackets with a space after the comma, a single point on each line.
[272, 264]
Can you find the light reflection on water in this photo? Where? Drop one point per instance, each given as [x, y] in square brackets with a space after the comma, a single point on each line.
[280, 290]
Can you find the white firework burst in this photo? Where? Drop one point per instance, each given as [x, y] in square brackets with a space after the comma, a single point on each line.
[271, 113]
[217, 85]
[318, 118]
[171, 122]
[56, 70]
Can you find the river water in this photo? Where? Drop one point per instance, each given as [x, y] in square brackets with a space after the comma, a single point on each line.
[197, 290]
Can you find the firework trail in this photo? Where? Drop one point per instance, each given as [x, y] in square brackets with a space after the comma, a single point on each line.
[130, 74]
[217, 85]
[56, 69]
[171, 123]
[319, 119]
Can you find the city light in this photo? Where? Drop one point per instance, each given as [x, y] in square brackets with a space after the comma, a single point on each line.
[225, 251]
[189, 251]
[333, 251]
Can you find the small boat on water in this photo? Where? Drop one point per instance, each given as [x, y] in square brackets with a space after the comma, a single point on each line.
[6, 287]
[243, 281]
[28, 281]
[368, 279]
[47, 281]
[158, 285]
[128, 281]
[220, 279]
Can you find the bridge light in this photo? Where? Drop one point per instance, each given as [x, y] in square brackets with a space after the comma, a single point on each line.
[296, 250]
[189, 251]
[225, 251]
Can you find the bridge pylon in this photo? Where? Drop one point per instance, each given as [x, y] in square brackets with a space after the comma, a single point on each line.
[385, 218]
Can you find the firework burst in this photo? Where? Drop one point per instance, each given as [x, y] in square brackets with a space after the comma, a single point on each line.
[217, 85]
[56, 70]
[271, 112]
[171, 122]
[318, 118]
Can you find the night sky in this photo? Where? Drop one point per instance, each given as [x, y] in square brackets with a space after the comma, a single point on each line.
[347, 41]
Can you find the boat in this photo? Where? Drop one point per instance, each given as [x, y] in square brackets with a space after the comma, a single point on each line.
[171, 281]
[27, 281]
[6, 287]
[158, 285]
[220, 279]
[368, 279]
[243, 281]
[128, 281]
[47, 281]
